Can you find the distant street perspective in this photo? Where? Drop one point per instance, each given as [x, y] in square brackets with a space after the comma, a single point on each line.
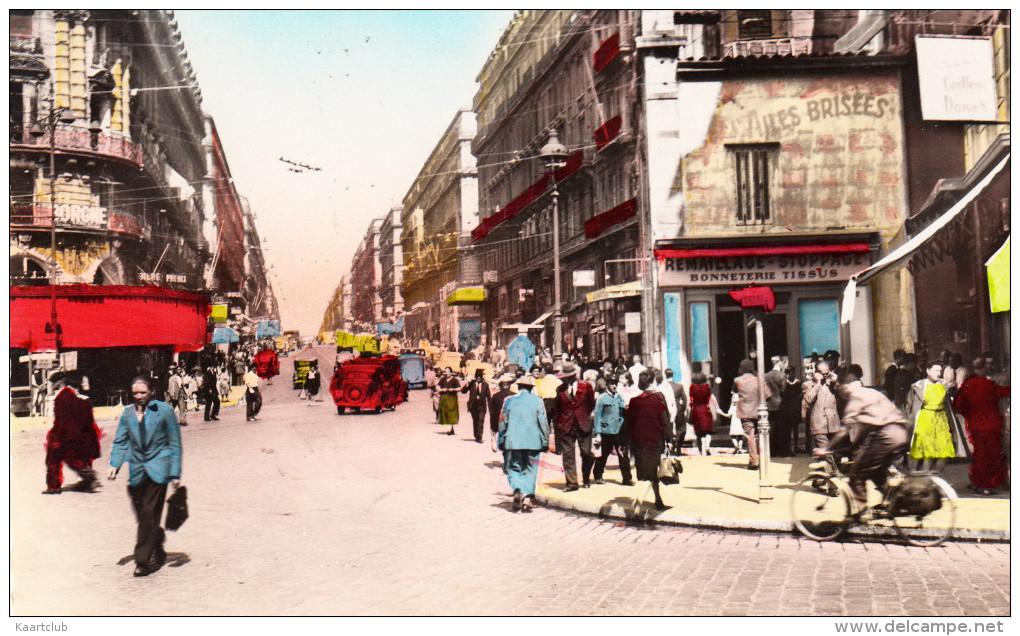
[306, 512]
[511, 312]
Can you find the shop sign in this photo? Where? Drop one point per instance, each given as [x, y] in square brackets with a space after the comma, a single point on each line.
[763, 270]
[584, 278]
[158, 278]
[956, 77]
[632, 322]
[81, 215]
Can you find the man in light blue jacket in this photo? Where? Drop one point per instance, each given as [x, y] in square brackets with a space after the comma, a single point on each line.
[523, 436]
[609, 433]
[149, 439]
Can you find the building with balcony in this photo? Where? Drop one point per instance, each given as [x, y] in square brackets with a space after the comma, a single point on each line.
[788, 149]
[441, 282]
[391, 275]
[112, 177]
[366, 280]
[572, 72]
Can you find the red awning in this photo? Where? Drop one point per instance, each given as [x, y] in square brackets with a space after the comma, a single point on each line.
[109, 316]
[763, 250]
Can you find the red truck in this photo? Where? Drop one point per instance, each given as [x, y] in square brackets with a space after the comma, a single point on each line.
[368, 383]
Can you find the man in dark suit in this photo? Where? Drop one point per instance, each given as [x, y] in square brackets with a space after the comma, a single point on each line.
[574, 403]
[477, 402]
[496, 404]
[210, 394]
[149, 439]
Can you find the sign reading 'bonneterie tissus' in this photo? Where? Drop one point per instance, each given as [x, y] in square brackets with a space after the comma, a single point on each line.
[764, 270]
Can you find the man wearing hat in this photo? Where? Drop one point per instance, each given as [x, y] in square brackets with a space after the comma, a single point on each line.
[523, 436]
[496, 400]
[478, 400]
[574, 403]
[74, 438]
[177, 393]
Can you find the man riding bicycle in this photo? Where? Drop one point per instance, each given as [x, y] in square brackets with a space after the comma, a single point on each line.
[874, 434]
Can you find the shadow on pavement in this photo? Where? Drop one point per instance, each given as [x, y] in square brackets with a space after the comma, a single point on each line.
[173, 559]
[635, 512]
[721, 491]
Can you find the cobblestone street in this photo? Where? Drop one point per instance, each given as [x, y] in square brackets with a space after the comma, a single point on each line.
[309, 513]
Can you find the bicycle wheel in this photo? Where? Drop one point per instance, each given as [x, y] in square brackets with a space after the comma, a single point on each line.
[819, 508]
[933, 528]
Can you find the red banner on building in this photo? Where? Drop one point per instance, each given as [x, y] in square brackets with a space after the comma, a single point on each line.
[596, 225]
[607, 52]
[108, 316]
[534, 191]
[570, 166]
[608, 132]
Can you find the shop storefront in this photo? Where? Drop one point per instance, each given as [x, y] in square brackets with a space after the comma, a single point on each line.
[110, 333]
[702, 323]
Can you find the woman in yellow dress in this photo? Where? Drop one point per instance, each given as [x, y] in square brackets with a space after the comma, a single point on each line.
[927, 404]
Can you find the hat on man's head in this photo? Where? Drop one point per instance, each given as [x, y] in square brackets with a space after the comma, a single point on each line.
[526, 380]
[569, 369]
[506, 378]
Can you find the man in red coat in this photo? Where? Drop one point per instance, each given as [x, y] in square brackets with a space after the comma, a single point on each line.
[978, 401]
[572, 416]
[74, 438]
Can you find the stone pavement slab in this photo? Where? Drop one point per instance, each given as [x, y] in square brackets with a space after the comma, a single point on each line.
[717, 491]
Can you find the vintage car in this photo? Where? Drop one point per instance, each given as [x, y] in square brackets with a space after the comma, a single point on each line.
[368, 383]
[301, 372]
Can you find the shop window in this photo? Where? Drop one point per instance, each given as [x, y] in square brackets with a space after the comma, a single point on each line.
[752, 173]
[819, 326]
[700, 346]
[754, 24]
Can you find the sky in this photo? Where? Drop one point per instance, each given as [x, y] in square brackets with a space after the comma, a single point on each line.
[364, 95]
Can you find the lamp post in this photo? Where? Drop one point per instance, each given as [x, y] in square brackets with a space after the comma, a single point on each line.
[65, 115]
[552, 156]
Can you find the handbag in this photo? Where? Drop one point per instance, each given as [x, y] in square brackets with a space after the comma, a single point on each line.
[961, 441]
[177, 508]
[669, 470]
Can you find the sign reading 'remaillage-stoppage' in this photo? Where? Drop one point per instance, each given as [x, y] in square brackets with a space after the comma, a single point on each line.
[763, 270]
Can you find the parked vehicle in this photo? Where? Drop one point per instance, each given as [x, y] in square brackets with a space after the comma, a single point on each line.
[368, 383]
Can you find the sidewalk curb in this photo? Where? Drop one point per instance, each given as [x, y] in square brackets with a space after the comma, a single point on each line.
[643, 514]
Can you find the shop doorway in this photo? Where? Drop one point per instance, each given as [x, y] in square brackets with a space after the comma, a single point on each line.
[737, 339]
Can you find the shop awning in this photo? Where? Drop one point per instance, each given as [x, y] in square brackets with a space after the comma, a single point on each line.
[466, 296]
[524, 326]
[267, 329]
[624, 290]
[762, 250]
[108, 316]
[224, 335]
[998, 279]
[902, 254]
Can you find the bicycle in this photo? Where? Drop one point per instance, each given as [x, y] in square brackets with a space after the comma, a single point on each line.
[920, 506]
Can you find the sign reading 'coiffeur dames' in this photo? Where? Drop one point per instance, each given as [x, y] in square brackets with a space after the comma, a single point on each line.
[799, 268]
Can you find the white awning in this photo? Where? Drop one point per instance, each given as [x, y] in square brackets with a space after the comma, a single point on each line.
[899, 256]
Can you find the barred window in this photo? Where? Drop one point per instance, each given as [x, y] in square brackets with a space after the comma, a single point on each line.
[754, 24]
[752, 171]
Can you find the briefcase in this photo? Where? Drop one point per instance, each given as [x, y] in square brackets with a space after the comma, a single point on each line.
[177, 508]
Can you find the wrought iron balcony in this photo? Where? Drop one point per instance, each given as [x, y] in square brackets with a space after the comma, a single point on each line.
[769, 47]
[79, 140]
[39, 216]
[26, 44]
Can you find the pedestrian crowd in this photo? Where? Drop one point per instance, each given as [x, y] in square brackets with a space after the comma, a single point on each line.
[641, 415]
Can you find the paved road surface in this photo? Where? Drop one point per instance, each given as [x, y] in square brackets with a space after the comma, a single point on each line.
[309, 513]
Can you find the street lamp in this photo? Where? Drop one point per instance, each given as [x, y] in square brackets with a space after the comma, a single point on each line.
[63, 115]
[552, 155]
